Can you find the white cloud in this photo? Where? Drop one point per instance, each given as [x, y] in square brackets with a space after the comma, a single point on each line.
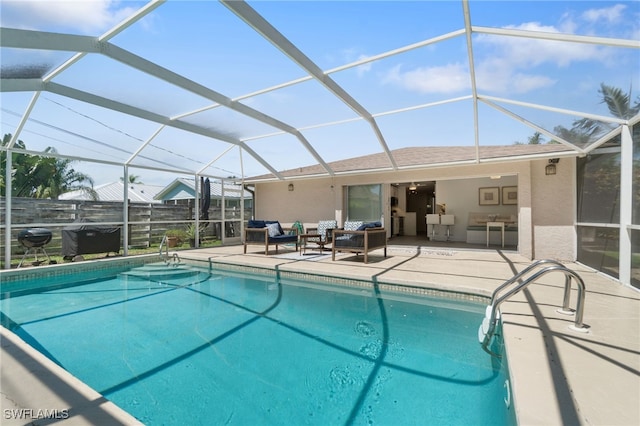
[524, 83]
[351, 55]
[526, 52]
[364, 68]
[449, 78]
[509, 63]
[513, 64]
[499, 76]
[611, 14]
[84, 16]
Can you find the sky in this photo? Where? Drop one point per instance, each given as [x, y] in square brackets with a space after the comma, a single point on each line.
[409, 94]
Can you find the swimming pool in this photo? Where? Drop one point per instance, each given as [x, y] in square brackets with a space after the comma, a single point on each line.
[192, 345]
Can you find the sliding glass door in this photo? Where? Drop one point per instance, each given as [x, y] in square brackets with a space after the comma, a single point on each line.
[364, 202]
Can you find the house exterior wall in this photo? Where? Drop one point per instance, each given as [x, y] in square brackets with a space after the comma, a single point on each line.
[545, 209]
[179, 192]
[554, 212]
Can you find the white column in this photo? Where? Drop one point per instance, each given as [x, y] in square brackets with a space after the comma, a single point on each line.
[626, 197]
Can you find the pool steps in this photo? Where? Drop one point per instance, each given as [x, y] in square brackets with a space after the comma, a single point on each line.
[162, 271]
[490, 322]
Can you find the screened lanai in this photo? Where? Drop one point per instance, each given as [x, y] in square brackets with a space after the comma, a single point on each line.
[233, 90]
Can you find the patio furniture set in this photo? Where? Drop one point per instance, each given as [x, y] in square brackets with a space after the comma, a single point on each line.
[355, 237]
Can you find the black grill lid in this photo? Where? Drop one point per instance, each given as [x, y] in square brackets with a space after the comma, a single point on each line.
[34, 237]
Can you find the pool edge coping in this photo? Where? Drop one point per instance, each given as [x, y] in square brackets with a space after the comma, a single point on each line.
[36, 367]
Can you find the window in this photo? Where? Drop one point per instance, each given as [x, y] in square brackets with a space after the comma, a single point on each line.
[599, 187]
[599, 248]
[364, 202]
[599, 202]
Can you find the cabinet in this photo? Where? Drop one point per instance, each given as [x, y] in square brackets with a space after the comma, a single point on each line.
[410, 224]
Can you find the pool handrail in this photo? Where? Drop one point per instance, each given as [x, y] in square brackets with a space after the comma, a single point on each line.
[164, 244]
[492, 313]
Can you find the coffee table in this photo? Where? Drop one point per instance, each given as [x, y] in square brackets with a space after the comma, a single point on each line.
[312, 238]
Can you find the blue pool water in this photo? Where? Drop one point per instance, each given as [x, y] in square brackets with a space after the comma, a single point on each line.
[203, 348]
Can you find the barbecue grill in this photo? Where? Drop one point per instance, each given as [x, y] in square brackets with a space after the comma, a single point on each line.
[34, 240]
[84, 237]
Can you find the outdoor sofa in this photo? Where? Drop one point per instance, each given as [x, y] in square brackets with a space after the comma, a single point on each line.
[367, 237]
[269, 232]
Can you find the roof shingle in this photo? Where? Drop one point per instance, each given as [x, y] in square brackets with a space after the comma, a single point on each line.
[426, 156]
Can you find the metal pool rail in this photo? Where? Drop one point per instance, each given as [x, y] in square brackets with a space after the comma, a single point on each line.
[489, 324]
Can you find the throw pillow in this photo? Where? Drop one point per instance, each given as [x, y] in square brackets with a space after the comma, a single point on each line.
[273, 229]
[352, 225]
[370, 225]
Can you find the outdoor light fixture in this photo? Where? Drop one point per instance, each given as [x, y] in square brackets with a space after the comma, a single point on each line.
[550, 169]
[290, 187]
[413, 186]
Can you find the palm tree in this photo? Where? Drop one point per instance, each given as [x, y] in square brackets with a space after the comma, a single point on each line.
[133, 179]
[25, 172]
[602, 180]
[619, 105]
[55, 177]
[535, 139]
[587, 130]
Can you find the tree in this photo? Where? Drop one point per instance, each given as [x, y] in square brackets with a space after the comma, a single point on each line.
[535, 139]
[600, 179]
[619, 105]
[573, 135]
[57, 177]
[23, 170]
[133, 179]
[43, 176]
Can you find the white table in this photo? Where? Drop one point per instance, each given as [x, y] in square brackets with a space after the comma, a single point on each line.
[495, 225]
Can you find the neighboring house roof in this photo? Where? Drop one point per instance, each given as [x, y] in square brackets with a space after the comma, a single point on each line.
[184, 189]
[114, 191]
[426, 156]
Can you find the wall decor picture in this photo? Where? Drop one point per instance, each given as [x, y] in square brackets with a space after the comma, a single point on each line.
[509, 195]
[489, 196]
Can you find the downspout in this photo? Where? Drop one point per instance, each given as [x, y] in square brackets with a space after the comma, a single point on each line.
[196, 203]
[125, 211]
[7, 207]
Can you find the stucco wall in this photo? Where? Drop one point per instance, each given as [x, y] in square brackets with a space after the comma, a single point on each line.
[545, 203]
[309, 202]
[553, 200]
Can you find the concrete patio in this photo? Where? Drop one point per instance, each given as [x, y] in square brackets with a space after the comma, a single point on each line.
[559, 376]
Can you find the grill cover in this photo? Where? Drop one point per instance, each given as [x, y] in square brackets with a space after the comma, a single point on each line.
[34, 237]
[84, 238]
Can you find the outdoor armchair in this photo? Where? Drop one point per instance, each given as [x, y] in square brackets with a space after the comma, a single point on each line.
[320, 236]
[269, 232]
[368, 237]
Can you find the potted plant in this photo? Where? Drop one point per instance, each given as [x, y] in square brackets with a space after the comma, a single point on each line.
[190, 233]
[175, 237]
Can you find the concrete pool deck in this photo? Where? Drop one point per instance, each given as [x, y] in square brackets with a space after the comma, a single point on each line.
[558, 376]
